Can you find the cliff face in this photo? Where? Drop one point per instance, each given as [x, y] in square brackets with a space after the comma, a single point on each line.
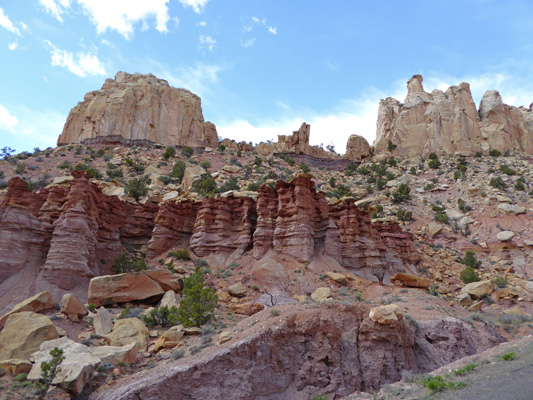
[449, 123]
[139, 109]
[59, 239]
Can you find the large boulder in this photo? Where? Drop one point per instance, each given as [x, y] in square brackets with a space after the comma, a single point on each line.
[72, 307]
[102, 322]
[23, 333]
[139, 109]
[116, 354]
[386, 315]
[476, 290]
[128, 330]
[412, 281]
[40, 302]
[357, 148]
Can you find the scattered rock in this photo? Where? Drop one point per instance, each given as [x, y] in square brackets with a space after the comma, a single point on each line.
[321, 294]
[464, 299]
[434, 229]
[116, 355]
[412, 281]
[168, 340]
[126, 331]
[476, 306]
[23, 333]
[40, 302]
[386, 315]
[170, 299]
[193, 331]
[477, 290]
[73, 307]
[16, 366]
[103, 322]
[237, 290]
[247, 308]
[339, 278]
[505, 236]
[224, 337]
[511, 209]
[529, 286]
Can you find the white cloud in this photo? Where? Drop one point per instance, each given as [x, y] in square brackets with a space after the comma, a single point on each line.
[81, 64]
[7, 120]
[248, 43]
[6, 23]
[263, 22]
[197, 5]
[207, 42]
[273, 30]
[13, 46]
[121, 15]
[202, 24]
[56, 7]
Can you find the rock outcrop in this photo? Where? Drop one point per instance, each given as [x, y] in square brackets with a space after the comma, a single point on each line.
[139, 109]
[449, 123]
[357, 148]
[333, 350]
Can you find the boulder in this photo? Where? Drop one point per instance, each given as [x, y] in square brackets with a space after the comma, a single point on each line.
[434, 229]
[224, 337]
[76, 368]
[412, 281]
[474, 307]
[122, 288]
[60, 180]
[511, 209]
[321, 294]
[237, 290]
[103, 322]
[168, 340]
[73, 307]
[170, 299]
[166, 279]
[23, 333]
[16, 366]
[128, 330]
[529, 286]
[476, 290]
[386, 315]
[357, 148]
[192, 174]
[247, 308]
[505, 236]
[116, 355]
[40, 302]
[335, 276]
[464, 299]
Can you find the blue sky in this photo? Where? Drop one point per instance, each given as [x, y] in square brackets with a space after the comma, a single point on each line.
[261, 67]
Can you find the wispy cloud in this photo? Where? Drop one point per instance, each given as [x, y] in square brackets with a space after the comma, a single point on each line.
[273, 30]
[13, 46]
[201, 24]
[56, 7]
[263, 22]
[6, 23]
[248, 43]
[197, 5]
[81, 64]
[122, 15]
[207, 42]
[7, 120]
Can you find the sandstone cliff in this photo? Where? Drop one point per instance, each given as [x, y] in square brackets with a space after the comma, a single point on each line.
[139, 109]
[449, 123]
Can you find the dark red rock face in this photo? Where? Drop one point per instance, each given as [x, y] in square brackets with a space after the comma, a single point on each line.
[66, 237]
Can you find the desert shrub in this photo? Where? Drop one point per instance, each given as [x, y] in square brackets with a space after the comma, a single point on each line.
[305, 168]
[169, 152]
[413, 322]
[494, 153]
[178, 171]
[181, 254]
[391, 146]
[199, 301]
[206, 185]
[469, 275]
[462, 206]
[200, 263]
[434, 163]
[519, 185]
[403, 215]
[429, 186]
[222, 147]
[187, 151]
[401, 194]
[341, 191]
[65, 165]
[500, 281]
[115, 173]
[162, 316]
[509, 356]
[231, 184]
[6, 153]
[177, 354]
[497, 183]
[125, 263]
[49, 370]
[91, 171]
[20, 169]
[137, 188]
[205, 164]
[470, 260]
[413, 170]
[507, 170]
[254, 186]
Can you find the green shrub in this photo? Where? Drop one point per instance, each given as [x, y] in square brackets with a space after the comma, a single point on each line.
[435, 383]
[231, 184]
[178, 171]
[91, 172]
[21, 168]
[305, 168]
[470, 260]
[205, 164]
[434, 163]
[198, 303]
[413, 170]
[509, 356]
[391, 146]
[462, 206]
[494, 153]
[254, 187]
[506, 170]
[222, 147]
[187, 151]
[114, 173]
[206, 185]
[497, 183]
[500, 281]
[433, 156]
[137, 188]
[162, 316]
[403, 215]
[401, 194]
[519, 186]
[125, 263]
[469, 275]
[341, 191]
[49, 370]
[181, 254]
[414, 323]
[169, 152]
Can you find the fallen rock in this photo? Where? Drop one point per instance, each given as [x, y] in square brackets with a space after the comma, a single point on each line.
[464, 299]
[224, 337]
[476, 306]
[126, 331]
[73, 307]
[505, 236]
[511, 209]
[168, 340]
[170, 299]
[321, 294]
[116, 355]
[412, 281]
[193, 331]
[476, 290]
[529, 286]
[386, 315]
[504, 294]
[237, 290]
[247, 308]
[76, 368]
[122, 288]
[40, 302]
[16, 366]
[23, 334]
[103, 322]
[339, 278]
[434, 229]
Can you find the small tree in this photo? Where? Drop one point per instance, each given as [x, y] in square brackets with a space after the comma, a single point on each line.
[137, 188]
[469, 275]
[391, 146]
[470, 260]
[198, 303]
[169, 152]
[49, 370]
[187, 151]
